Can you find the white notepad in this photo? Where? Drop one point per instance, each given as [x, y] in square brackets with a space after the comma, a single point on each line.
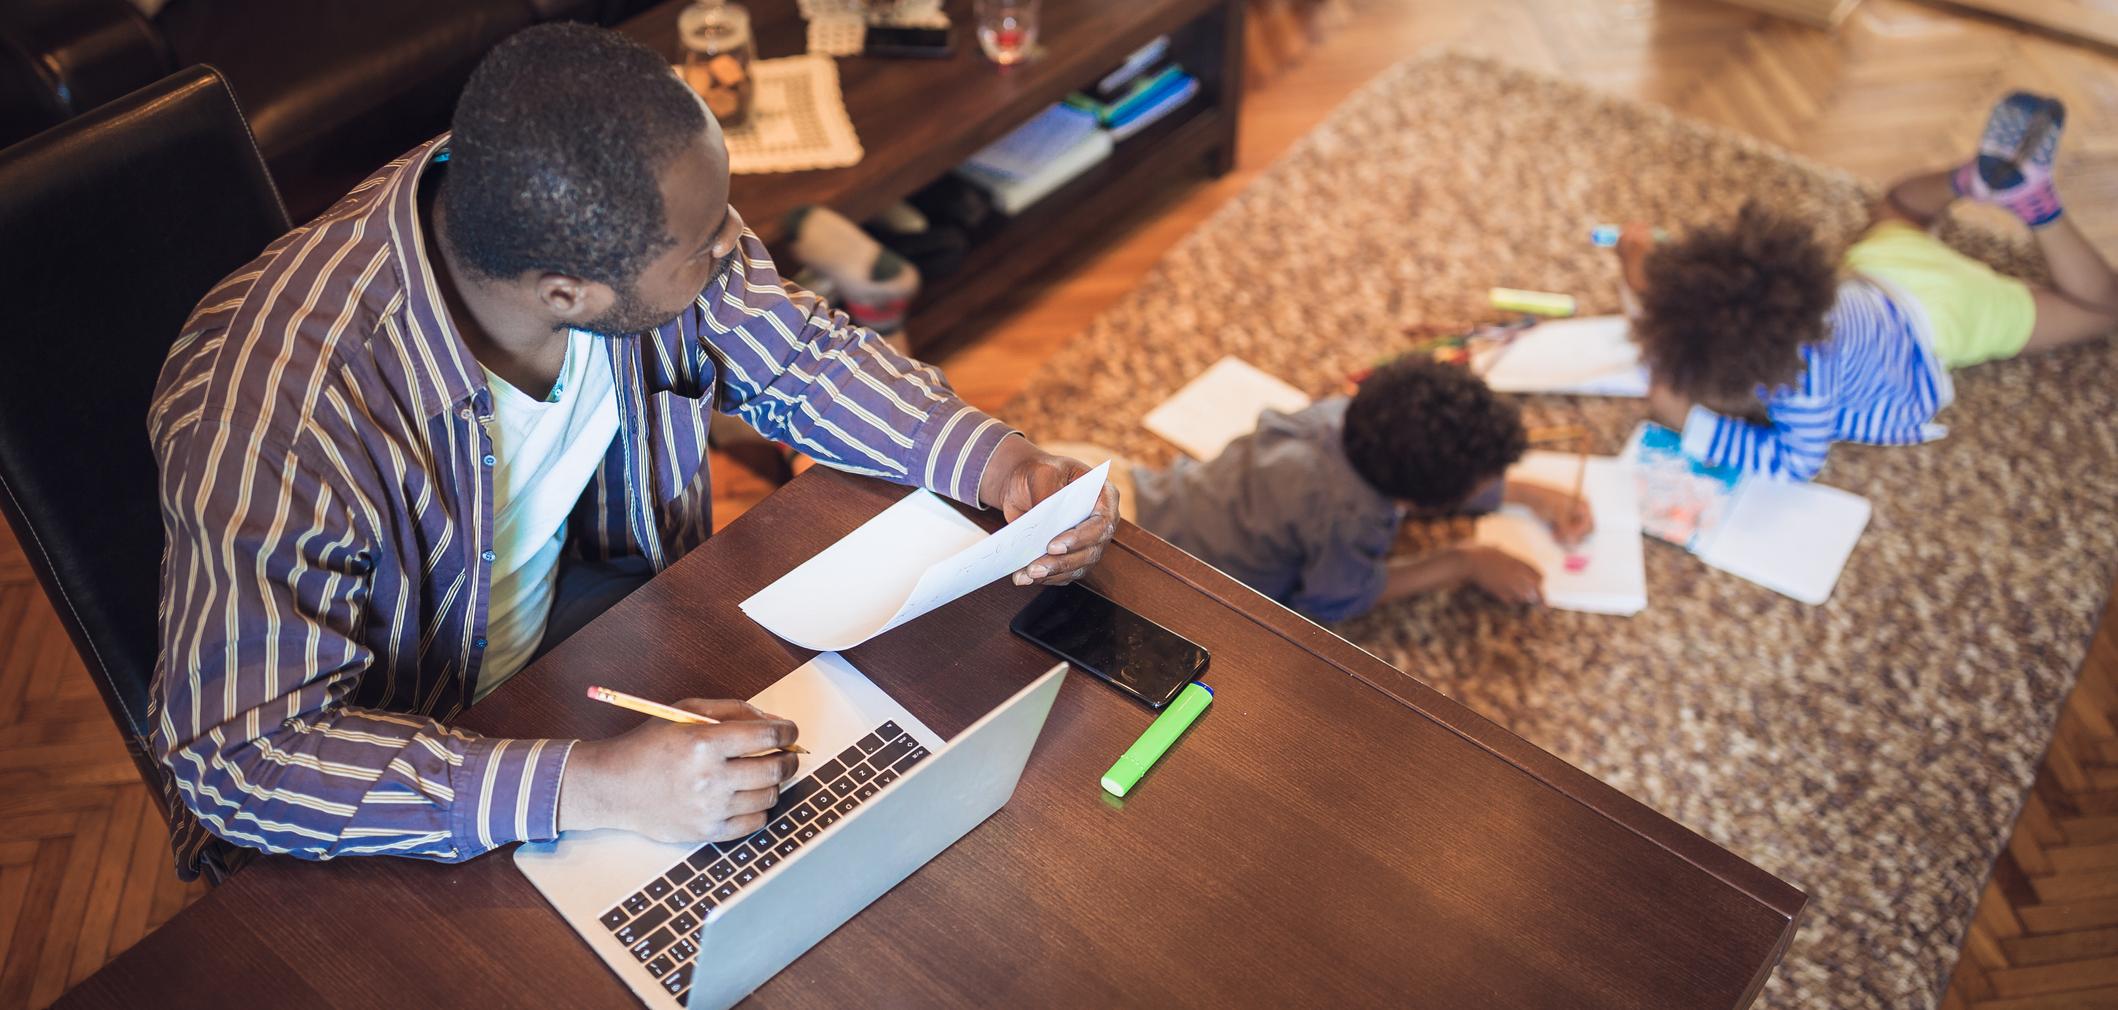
[912, 557]
[1588, 356]
[1614, 580]
[1790, 538]
[1220, 406]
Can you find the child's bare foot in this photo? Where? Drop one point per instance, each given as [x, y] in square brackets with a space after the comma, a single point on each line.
[2013, 169]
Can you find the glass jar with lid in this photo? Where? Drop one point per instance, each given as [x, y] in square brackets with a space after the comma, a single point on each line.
[718, 51]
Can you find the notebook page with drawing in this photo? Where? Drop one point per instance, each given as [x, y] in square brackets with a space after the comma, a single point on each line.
[1614, 578]
[1790, 537]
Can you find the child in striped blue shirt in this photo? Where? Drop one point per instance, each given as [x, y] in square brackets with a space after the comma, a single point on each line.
[1764, 352]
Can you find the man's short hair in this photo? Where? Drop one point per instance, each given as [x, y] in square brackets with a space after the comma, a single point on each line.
[559, 141]
[1428, 433]
[1728, 307]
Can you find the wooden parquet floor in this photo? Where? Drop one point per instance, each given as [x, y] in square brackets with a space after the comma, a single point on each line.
[1901, 86]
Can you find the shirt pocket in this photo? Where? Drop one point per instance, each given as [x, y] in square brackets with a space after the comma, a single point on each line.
[676, 442]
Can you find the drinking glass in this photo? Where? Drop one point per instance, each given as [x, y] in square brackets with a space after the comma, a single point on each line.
[1007, 29]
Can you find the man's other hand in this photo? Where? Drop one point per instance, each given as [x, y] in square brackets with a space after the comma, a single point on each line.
[1018, 477]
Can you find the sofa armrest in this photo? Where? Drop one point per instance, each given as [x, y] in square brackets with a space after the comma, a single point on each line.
[60, 58]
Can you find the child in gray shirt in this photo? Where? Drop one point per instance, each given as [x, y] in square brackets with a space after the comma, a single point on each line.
[1305, 508]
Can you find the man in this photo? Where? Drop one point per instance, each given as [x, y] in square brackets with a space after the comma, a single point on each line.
[440, 427]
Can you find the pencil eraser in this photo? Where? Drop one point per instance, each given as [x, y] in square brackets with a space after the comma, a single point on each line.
[1576, 562]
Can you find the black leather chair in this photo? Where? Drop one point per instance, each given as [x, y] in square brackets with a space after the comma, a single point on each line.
[334, 88]
[112, 226]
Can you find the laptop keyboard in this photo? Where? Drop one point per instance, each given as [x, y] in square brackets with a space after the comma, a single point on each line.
[658, 922]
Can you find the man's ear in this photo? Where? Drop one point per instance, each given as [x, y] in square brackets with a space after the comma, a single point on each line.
[572, 300]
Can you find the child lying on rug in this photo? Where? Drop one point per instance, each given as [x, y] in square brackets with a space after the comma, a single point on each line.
[1306, 508]
[1763, 352]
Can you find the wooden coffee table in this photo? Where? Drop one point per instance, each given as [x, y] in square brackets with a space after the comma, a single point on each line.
[917, 119]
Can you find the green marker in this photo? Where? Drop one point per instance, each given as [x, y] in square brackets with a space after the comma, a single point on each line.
[1163, 733]
[1543, 303]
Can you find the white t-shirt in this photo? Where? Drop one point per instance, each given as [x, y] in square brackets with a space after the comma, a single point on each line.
[546, 451]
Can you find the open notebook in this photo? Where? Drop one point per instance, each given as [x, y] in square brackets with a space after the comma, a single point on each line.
[1614, 578]
[1792, 538]
[1220, 406]
[1588, 356]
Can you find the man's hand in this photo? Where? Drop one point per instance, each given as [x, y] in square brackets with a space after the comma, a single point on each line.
[1666, 406]
[1019, 476]
[1568, 516]
[1502, 574]
[680, 782]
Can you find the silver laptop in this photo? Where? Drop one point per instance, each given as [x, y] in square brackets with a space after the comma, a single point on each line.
[877, 796]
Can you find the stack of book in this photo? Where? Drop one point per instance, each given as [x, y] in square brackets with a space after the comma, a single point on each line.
[1040, 156]
[1142, 90]
[1068, 139]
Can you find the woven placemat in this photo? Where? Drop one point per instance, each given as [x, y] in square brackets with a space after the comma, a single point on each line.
[798, 120]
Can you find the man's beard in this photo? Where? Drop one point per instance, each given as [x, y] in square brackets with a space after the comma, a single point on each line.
[628, 314]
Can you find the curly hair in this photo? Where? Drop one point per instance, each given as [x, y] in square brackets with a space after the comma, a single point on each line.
[1428, 433]
[559, 140]
[1728, 308]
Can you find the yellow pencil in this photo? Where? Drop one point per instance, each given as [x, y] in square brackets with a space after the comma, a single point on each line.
[1579, 436]
[659, 710]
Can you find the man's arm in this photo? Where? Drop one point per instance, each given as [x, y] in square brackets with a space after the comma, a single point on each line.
[804, 374]
[265, 582]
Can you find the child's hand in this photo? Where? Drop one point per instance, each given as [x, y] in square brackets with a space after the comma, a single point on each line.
[1667, 406]
[1569, 517]
[1502, 574]
[1635, 241]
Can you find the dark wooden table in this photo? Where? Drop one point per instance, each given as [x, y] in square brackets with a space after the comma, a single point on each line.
[1330, 833]
[919, 118]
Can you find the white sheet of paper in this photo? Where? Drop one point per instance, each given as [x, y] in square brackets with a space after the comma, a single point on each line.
[912, 557]
[1615, 579]
[1791, 538]
[1587, 356]
[1220, 406]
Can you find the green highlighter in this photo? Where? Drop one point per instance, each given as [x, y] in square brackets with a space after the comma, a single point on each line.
[1164, 732]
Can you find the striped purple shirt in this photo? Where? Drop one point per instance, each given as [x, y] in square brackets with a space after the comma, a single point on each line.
[326, 491]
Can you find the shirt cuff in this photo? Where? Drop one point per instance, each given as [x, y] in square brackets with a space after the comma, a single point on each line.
[508, 791]
[960, 442]
[1700, 427]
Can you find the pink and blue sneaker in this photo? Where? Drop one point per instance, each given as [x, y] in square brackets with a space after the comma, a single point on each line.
[2013, 169]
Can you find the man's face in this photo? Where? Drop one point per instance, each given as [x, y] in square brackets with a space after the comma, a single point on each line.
[705, 228]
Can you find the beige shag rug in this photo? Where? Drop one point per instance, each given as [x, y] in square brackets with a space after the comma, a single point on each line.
[1873, 751]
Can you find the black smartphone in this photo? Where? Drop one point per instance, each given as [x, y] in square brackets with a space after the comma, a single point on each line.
[1130, 652]
[925, 43]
